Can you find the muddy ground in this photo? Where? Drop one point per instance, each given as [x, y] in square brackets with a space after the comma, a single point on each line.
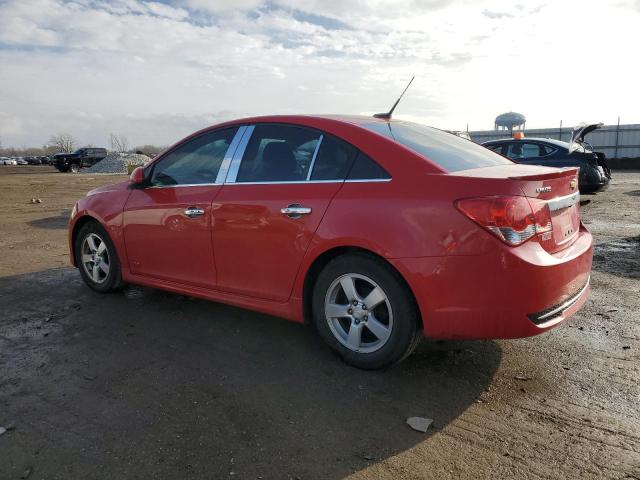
[146, 384]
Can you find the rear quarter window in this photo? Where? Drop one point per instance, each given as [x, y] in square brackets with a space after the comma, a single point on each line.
[365, 168]
[450, 152]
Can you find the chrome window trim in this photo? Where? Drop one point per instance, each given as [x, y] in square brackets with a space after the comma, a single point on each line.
[186, 185]
[563, 202]
[292, 182]
[367, 180]
[234, 167]
[301, 182]
[313, 159]
[228, 156]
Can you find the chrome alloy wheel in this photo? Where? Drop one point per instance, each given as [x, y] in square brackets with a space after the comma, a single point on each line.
[95, 258]
[358, 313]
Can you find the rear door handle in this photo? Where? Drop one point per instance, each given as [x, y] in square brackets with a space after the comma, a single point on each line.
[295, 210]
[193, 212]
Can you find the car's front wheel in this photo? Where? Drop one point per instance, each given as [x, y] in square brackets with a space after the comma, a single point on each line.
[364, 312]
[96, 258]
[74, 168]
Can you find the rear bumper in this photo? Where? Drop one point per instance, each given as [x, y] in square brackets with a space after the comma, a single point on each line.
[503, 294]
[594, 182]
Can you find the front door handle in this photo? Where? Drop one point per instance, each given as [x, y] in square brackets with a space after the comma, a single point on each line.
[193, 212]
[295, 210]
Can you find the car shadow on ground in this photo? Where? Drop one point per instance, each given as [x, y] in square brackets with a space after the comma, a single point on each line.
[147, 384]
[620, 257]
[58, 222]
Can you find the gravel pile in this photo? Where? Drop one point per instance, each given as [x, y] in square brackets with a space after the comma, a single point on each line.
[117, 163]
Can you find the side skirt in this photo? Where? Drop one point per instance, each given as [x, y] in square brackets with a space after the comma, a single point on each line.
[291, 310]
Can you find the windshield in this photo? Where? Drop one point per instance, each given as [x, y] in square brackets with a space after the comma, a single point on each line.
[448, 151]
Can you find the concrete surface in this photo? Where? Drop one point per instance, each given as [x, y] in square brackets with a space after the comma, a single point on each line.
[146, 384]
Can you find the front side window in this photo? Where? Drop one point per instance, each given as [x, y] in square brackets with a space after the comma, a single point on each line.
[194, 162]
[495, 148]
[278, 153]
[450, 152]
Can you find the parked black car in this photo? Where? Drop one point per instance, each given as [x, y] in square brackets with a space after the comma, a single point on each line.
[83, 157]
[33, 160]
[594, 172]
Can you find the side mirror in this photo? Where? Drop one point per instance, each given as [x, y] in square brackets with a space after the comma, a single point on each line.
[137, 176]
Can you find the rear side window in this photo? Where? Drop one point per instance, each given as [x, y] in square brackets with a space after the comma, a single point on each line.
[333, 160]
[520, 150]
[278, 153]
[450, 152]
[365, 168]
[530, 150]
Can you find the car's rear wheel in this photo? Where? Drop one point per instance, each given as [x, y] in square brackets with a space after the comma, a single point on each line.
[364, 312]
[97, 259]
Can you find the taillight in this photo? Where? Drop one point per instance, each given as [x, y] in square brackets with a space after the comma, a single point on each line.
[514, 220]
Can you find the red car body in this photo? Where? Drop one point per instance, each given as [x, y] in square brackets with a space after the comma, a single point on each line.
[466, 282]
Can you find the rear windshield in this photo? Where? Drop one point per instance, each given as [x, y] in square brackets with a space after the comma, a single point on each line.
[446, 150]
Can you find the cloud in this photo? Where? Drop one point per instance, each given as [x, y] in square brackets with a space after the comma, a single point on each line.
[146, 68]
[497, 15]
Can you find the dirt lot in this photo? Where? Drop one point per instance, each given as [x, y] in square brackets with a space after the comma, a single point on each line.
[146, 384]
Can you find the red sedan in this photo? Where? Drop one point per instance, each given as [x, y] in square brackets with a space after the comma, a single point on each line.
[376, 231]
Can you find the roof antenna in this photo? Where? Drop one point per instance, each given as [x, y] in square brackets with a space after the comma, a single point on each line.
[387, 116]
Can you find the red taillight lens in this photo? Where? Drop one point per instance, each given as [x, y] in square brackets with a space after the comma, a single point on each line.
[514, 220]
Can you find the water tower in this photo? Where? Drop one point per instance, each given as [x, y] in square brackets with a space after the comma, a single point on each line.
[509, 121]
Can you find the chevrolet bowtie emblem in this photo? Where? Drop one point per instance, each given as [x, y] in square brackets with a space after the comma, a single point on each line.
[573, 184]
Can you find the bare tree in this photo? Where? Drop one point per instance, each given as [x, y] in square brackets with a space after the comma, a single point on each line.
[63, 142]
[119, 143]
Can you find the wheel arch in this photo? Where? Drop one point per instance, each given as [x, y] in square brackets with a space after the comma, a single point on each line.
[79, 223]
[327, 256]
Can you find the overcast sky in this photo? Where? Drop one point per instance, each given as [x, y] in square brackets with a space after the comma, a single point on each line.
[157, 71]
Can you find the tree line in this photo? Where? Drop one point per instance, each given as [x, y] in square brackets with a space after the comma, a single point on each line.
[66, 143]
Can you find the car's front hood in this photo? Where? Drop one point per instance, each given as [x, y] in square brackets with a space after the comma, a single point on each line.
[109, 188]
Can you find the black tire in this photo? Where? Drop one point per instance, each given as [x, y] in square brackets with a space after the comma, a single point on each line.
[113, 279]
[405, 332]
[74, 167]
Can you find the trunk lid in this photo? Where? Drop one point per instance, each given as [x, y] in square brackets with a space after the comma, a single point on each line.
[580, 131]
[557, 187]
[560, 191]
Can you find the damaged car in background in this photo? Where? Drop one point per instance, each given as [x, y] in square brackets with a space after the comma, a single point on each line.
[594, 172]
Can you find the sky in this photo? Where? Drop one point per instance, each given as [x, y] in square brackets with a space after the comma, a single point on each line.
[157, 71]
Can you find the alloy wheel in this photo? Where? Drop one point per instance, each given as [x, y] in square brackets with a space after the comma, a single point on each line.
[358, 313]
[95, 258]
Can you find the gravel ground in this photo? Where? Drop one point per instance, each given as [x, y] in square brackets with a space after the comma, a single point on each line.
[146, 384]
[117, 163]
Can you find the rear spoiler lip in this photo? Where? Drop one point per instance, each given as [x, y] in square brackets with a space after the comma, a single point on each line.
[561, 172]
